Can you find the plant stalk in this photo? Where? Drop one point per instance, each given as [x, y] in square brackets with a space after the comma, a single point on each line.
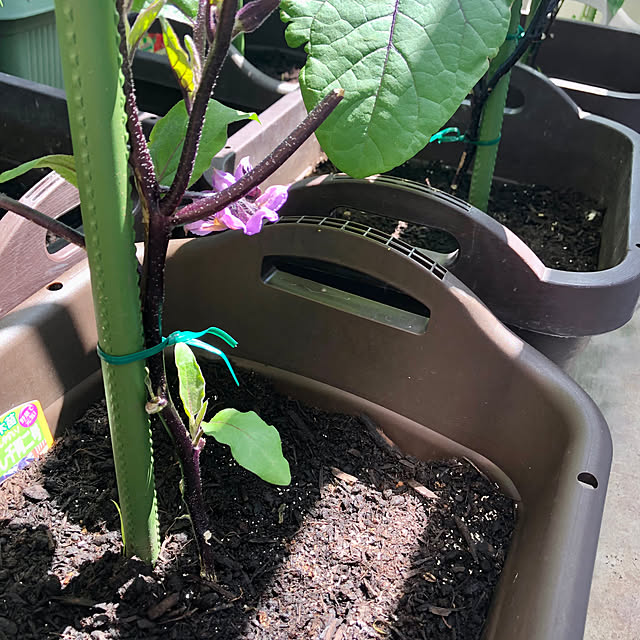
[212, 67]
[96, 102]
[204, 207]
[492, 116]
[56, 227]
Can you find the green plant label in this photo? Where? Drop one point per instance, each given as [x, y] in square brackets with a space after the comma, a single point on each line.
[24, 436]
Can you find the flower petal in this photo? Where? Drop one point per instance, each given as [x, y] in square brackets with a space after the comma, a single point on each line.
[230, 221]
[244, 166]
[222, 180]
[205, 227]
[255, 222]
[274, 197]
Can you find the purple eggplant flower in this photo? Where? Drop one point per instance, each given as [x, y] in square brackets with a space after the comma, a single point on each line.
[248, 213]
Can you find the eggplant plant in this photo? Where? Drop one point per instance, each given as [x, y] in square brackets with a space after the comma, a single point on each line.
[406, 66]
[403, 67]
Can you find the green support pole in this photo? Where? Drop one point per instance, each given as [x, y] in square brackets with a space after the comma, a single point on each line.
[87, 32]
[491, 124]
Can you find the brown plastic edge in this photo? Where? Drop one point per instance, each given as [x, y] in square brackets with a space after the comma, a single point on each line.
[499, 267]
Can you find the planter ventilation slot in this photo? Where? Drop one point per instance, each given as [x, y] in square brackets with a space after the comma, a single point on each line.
[372, 234]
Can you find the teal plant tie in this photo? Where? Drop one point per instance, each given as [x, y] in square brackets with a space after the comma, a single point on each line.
[453, 134]
[189, 337]
[517, 35]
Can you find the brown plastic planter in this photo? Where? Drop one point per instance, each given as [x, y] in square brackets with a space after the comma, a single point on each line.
[597, 66]
[366, 324]
[547, 140]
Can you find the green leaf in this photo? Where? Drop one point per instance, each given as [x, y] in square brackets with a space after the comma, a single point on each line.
[255, 445]
[62, 164]
[184, 11]
[300, 15]
[405, 66]
[143, 22]
[178, 57]
[188, 7]
[167, 138]
[191, 383]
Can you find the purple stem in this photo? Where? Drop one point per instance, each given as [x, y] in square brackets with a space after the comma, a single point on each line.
[139, 158]
[200, 28]
[213, 64]
[50, 224]
[208, 206]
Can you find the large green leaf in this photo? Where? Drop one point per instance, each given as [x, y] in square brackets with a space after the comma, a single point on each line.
[255, 445]
[61, 164]
[167, 138]
[405, 66]
[191, 384]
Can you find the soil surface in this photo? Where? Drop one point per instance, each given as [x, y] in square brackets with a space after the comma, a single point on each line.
[277, 63]
[365, 542]
[562, 227]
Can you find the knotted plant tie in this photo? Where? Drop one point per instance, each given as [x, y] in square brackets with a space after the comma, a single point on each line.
[453, 134]
[189, 337]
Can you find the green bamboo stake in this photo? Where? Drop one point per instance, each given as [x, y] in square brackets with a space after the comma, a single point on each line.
[492, 116]
[87, 32]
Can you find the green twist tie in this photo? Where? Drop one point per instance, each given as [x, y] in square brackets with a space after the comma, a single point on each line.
[517, 35]
[452, 134]
[189, 337]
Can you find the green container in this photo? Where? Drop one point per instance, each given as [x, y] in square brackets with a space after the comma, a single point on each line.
[28, 41]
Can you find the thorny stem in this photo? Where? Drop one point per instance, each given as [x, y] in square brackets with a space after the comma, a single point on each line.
[208, 206]
[213, 64]
[140, 158]
[192, 489]
[161, 221]
[50, 224]
[200, 28]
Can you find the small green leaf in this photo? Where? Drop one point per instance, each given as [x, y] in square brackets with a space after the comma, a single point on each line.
[191, 383]
[62, 164]
[178, 57]
[143, 22]
[201, 414]
[184, 9]
[194, 58]
[255, 445]
[167, 138]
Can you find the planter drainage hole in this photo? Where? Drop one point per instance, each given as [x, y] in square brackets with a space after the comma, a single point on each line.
[588, 478]
[55, 286]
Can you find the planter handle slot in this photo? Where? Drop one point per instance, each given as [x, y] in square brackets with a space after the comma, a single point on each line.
[25, 260]
[346, 290]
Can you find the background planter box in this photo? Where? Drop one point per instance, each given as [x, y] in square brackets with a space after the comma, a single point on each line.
[523, 422]
[28, 41]
[546, 140]
[597, 66]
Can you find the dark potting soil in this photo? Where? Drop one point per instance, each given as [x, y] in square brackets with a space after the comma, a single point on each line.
[277, 63]
[365, 543]
[561, 226]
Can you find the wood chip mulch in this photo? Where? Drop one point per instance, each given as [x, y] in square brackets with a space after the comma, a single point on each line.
[365, 543]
